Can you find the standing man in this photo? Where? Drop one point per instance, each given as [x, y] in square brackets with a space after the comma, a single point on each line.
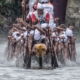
[49, 8]
[40, 15]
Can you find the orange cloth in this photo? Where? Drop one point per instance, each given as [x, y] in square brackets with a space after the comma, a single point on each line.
[41, 49]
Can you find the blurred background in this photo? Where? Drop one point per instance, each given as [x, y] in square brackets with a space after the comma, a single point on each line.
[68, 12]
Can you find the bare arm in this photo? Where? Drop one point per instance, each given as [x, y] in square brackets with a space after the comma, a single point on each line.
[18, 26]
[25, 24]
[59, 28]
[40, 29]
[54, 30]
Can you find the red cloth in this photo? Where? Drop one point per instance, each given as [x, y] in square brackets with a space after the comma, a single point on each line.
[47, 17]
[33, 17]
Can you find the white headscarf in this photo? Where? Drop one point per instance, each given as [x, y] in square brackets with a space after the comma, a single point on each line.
[39, 6]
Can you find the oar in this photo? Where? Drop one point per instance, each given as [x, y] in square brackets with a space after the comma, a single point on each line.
[53, 56]
[69, 48]
[23, 3]
[28, 54]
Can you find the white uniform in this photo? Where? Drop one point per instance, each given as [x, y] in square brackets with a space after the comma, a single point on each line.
[24, 28]
[17, 37]
[44, 25]
[55, 39]
[37, 36]
[31, 4]
[25, 34]
[65, 37]
[49, 8]
[43, 17]
[69, 32]
[15, 34]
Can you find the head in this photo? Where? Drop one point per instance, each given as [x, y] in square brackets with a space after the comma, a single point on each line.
[63, 26]
[40, 12]
[40, 9]
[71, 27]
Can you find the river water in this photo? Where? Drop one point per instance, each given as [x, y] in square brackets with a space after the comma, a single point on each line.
[10, 71]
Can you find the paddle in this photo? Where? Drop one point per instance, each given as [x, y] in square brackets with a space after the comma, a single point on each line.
[28, 54]
[53, 56]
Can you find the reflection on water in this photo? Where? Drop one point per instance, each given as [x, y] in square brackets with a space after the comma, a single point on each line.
[9, 71]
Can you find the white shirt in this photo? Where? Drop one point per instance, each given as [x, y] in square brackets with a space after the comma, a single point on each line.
[69, 32]
[15, 34]
[36, 33]
[25, 34]
[65, 37]
[49, 8]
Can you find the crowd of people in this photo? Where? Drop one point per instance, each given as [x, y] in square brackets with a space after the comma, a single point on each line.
[36, 33]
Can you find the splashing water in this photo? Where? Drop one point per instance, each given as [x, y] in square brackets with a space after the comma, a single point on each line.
[12, 70]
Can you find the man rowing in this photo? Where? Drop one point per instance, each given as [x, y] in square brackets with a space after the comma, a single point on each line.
[41, 33]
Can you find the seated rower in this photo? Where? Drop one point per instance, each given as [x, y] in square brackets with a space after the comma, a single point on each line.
[55, 40]
[62, 41]
[48, 7]
[71, 41]
[12, 41]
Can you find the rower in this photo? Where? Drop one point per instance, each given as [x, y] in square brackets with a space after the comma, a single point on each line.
[71, 40]
[48, 7]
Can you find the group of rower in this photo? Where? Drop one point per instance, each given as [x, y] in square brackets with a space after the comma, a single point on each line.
[39, 35]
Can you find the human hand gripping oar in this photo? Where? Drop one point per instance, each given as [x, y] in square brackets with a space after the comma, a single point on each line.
[53, 56]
